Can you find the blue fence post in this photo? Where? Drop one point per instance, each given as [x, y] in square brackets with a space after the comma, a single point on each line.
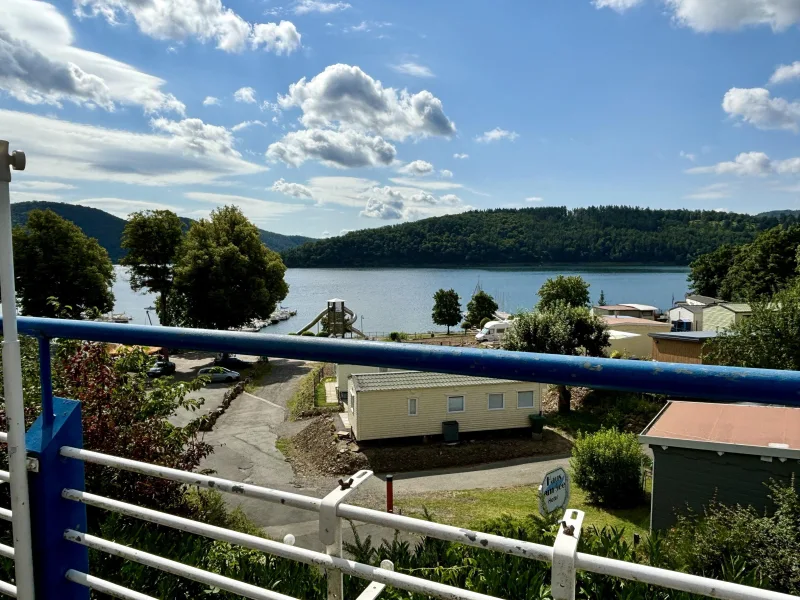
[58, 425]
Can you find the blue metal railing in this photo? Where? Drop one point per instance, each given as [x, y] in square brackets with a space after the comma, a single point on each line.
[763, 386]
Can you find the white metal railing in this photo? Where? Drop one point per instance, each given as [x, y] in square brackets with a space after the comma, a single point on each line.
[563, 555]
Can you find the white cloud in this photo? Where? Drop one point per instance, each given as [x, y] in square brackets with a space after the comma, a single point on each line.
[204, 20]
[295, 190]
[246, 95]
[755, 106]
[786, 73]
[39, 64]
[417, 168]
[366, 26]
[259, 211]
[617, 5]
[413, 69]
[326, 234]
[385, 203]
[345, 231]
[47, 186]
[728, 15]
[446, 173]
[534, 199]
[246, 124]
[211, 101]
[33, 197]
[307, 6]
[123, 208]
[280, 38]
[347, 191]
[497, 134]
[715, 191]
[345, 96]
[460, 156]
[755, 164]
[390, 203]
[688, 156]
[342, 149]
[426, 184]
[272, 106]
[191, 152]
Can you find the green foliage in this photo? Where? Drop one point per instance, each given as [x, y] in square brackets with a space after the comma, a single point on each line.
[768, 339]
[225, 276]
[608, 465]
[308, 334]
[323, 334]
[601, 301]
[53, 258]
[397, 336]
[604, 234]
[446, 308]
[304, 402]
[152, 239]
[484, 322]
[560, 329]
[752, 271]
[570, 290]
[480, 308]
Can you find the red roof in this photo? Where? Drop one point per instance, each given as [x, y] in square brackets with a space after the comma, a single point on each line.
[739, 424]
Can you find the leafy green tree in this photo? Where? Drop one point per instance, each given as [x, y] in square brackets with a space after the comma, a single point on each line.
[446, 308]
[53, 258]
[571, 290]
[601, 301]
[225, 277]
[708, 271]
[766, 340]
[152, 239]
[559, 329]
[481, 306]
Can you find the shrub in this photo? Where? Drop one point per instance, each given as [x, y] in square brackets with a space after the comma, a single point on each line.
[484, 322]
[323, 334]
[308, 333]
[397, 336]
[608, 465]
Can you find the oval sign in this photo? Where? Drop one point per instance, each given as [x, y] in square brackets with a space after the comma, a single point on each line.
[554, 491]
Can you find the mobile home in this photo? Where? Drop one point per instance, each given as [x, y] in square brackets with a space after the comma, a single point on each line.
[415, 403]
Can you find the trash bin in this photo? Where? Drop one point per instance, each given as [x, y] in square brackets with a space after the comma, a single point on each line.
[450, 431]
[537, 426]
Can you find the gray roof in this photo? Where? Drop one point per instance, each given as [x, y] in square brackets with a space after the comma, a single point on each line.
[738, 307]
[692, 308]
[703, 299]
[413, 380]
[686, 336]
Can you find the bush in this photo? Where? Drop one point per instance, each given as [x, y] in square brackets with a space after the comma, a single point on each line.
[608, 465]
[323, 334]
[484, 322]
[397, 336]
[308, 333]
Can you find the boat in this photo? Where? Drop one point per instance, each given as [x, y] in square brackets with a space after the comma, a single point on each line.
[115, 318]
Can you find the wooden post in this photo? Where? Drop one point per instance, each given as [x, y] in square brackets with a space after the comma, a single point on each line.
[390, 493]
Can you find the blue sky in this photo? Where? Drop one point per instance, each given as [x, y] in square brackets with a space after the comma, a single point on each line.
[320, 116]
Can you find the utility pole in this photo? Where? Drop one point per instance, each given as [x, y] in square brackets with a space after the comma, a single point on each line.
[12, 381]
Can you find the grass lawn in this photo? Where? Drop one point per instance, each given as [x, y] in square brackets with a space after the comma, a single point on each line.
[320, 398]
[463, 508]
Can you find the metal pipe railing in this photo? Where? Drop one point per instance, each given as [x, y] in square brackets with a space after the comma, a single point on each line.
[112, 589]
[693, 381]
[8, 590]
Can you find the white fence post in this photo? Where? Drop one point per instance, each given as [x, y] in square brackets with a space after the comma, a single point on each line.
[12, 380]
[330, 528]
[566, 546]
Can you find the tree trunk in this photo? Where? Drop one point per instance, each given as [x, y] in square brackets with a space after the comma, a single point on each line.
[563, 399]
[448, 330]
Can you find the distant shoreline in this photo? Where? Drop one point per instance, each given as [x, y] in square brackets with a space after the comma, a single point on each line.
[517, 267]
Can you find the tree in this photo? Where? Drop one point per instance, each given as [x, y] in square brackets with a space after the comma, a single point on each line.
[571, 290]
[559, 329]
[446, 308]
[766, 340]
[225, 277]
[601, 301]
[482, 306]
[54, 258]
[152, 239]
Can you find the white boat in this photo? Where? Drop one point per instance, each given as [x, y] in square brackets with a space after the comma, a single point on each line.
[115, 318]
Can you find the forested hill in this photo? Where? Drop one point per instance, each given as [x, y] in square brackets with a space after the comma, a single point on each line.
[532, 236]
[107, 228]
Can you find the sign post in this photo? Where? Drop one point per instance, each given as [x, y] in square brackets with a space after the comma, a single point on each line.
[554, 491]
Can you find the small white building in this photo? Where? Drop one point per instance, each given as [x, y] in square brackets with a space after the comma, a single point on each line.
[687, 315]
[415, 403]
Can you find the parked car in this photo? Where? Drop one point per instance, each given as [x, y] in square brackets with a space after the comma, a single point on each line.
[161, 368]
[220, 374]
[493, 331]
[231, 361]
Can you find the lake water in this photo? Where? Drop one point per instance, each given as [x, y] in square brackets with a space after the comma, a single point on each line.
[401, 299]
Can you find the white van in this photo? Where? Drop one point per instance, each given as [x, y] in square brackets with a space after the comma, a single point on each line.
[493, 331]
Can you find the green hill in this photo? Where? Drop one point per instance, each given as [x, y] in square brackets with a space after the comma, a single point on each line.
[107, 228]
[535, 236]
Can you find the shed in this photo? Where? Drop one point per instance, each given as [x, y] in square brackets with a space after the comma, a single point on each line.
[632, 344]
[642, 347]
[680, 346]
[686, 317]
[640, 311]
[415, 403]
[728, 451]
[725, 315]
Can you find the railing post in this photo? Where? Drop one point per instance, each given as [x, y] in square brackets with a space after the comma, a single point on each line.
[51, 514]
[562, 580]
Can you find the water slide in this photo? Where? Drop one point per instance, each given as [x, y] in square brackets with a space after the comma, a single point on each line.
[350, 318]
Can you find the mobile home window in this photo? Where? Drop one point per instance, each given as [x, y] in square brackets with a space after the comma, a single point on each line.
[412, 407]
[455, 404]
[524, 399]
[496, 402]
